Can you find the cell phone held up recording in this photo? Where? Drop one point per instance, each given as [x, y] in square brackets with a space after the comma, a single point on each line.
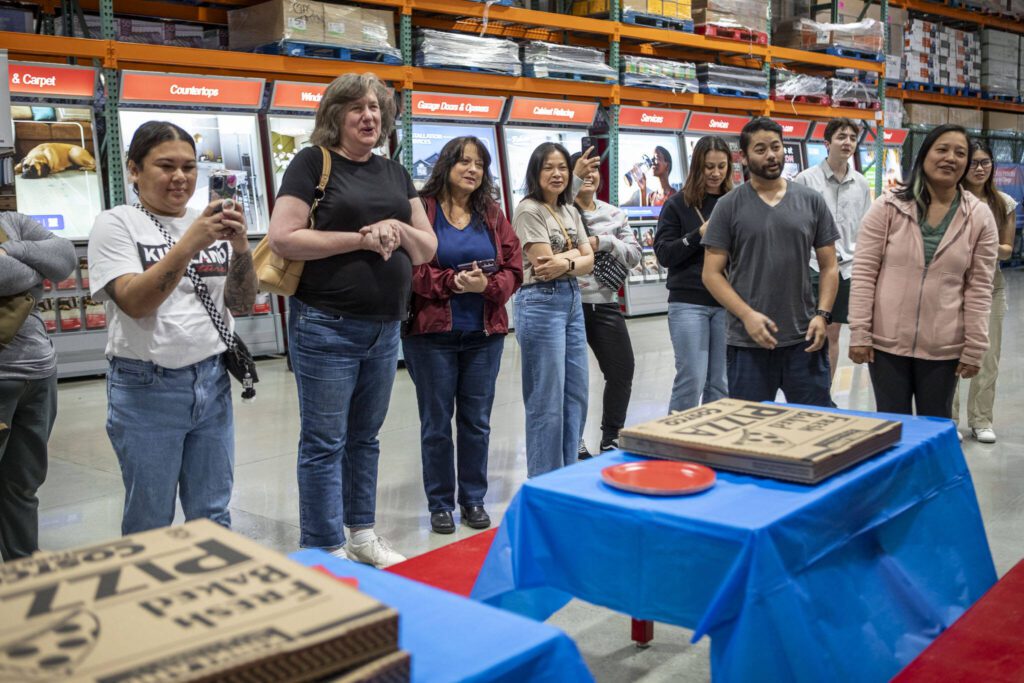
[223, 185]
[487, 265]
[588, 142]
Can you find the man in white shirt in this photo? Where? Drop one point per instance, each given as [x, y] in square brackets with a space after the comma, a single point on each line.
[848, 196]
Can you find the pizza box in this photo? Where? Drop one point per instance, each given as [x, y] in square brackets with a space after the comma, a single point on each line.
[188, 603]
[766, 439]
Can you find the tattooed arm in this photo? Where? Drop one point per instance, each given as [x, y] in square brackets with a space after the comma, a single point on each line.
[240, 288]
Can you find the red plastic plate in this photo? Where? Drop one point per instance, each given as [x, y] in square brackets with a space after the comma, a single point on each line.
[660, 477]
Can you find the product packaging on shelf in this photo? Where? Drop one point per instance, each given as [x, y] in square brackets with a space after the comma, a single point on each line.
[440, 50]
[742, 14]
[789, 85]
[647, 72]
[361, 29]
[720, 79]
[926, 114]
[301, 21]
[70, 282]
[16, 20]
[972, 119]
[805, 34]
[48, 314]
[83, 271]
[858, 94]
[1001, 121]
[261, 306]
[544, 60]
[672, 9]
[95, 314]
[70, 314]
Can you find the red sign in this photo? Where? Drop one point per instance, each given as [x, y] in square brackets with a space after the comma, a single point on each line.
[58, 81]
[295, 96]
[647, 117]
[794, 129]
[892, 136]
[818, 134]
[137, 86]
[716, 123]
[552, 111]
[444, 106]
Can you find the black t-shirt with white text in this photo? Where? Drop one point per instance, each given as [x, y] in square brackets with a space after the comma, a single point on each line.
[359, 284]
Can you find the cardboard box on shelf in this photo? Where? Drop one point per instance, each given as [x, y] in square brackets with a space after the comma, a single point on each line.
[968, 118]
[925, 114]
[299, 20]
[1001, 120]
[355, 27]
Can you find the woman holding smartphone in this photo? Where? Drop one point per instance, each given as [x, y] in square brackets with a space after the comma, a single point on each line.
[549, 311]
[457, 329]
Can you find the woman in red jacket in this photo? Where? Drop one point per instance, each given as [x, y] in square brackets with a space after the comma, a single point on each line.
[457, 328]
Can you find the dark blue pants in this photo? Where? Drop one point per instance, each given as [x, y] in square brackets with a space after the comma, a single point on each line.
[758, 374]
[454, 374]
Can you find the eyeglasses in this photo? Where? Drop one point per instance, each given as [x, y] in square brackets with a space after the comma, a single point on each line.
[981, 163]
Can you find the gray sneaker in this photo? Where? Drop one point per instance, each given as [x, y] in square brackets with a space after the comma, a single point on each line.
[376, 552]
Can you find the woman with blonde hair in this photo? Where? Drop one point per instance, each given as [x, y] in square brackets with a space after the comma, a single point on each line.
[343, 322]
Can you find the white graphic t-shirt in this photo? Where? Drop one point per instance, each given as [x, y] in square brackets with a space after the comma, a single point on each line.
[124, 240]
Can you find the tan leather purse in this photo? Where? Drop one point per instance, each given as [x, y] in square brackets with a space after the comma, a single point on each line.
[14, 309]
[277, 274]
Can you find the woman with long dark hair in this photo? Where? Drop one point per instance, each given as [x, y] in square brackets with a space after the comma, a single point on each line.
[696, 322]
[980, 181]
[608, 232]
[549, 311]
[922, 282]
[457, 329]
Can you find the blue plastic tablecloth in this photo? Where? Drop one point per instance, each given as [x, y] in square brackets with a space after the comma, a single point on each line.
[451, 638]
[844, 581]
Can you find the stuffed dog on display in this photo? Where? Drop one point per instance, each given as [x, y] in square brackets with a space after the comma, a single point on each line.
[54, 157]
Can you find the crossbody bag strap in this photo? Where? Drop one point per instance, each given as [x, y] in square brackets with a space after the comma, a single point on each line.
[702, 219]
[325, 175]
[202, 291]
[565, 233]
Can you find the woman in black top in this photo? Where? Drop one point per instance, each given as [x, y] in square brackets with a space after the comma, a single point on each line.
[696, 322]
[343, 321]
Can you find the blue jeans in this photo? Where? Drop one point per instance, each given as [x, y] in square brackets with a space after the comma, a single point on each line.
[173, 433]
[454, 373]
[553, 342]
[698, 339]
[344, 370]
[758, 374]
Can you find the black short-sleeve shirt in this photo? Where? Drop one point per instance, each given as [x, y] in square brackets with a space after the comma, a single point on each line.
[359, 284]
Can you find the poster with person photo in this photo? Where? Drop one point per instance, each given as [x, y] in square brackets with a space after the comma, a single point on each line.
[651, 169]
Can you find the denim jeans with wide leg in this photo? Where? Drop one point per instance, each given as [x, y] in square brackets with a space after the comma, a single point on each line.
[174, 435]
[454, 373]
[344, 370]
[553, 343]
[698, 339]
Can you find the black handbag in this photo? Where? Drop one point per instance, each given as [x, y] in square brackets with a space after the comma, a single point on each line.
[237, 359]
[609, 271]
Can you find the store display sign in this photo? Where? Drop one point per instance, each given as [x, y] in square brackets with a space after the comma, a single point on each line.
[46, 80]
[649, 117]
[818, 133]
[552, 111]
[793, 129]
[716, 123]
[447, 106]
[212, 91]
[297, 96]
[6, 129]
[891, 136]
[651, 169]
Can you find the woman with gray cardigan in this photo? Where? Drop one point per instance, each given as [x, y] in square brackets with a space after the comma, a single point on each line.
[28, 378]
[609, 232]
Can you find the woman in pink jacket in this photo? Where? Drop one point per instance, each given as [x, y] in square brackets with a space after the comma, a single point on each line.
[922, 282]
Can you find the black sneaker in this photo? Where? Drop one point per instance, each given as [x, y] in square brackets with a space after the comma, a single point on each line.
[583, 453]
[609, 445]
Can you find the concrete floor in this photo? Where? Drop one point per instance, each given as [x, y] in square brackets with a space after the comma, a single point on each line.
[81, 500]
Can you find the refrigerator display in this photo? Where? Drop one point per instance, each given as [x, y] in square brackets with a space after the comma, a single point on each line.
[892, 160]
[794, 132]
[55, 164]
[220, 117]
[816, 153]
[724, 126]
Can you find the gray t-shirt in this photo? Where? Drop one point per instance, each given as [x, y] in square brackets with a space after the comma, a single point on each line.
[32, 254]
[768, 247]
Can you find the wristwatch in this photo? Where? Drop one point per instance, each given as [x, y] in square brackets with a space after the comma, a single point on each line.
[572, 264]
[827, 315]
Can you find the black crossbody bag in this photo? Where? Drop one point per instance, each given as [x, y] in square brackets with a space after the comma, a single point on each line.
[237, 359]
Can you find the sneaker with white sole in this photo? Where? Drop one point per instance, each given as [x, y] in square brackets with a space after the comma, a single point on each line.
[340, 552]
[983, 435]
[376, 552]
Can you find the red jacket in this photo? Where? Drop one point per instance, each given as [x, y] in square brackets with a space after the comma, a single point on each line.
[432, 284]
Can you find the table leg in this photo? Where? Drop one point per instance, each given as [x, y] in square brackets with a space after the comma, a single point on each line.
[643, 633]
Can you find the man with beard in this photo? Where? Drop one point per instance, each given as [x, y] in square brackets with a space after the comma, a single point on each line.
[755, 265]
[848, 196]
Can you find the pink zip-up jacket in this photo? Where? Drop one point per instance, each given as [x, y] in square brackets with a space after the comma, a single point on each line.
[938, 312]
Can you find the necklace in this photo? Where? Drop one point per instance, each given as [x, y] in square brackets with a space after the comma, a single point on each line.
[458, 217]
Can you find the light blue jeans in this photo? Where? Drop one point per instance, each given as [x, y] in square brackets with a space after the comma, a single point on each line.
[173, 433]
[344, 371]
[698, 339]
[553, 343]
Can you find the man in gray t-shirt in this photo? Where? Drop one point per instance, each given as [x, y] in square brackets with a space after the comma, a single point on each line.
[757, 242]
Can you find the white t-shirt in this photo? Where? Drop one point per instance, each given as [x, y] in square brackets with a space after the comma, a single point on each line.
[124, 240]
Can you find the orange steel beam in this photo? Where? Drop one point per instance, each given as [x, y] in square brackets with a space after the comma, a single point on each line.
[32, 46]
[567, 22]
[776, 53]
[818, 111]
[954, 100]
[969, 16]
[659, 35]
[161, 10]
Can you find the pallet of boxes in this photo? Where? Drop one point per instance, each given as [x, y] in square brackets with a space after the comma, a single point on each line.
[189, 603]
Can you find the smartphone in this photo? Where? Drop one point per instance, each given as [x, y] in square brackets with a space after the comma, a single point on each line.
[487, 265]
[223, 185]
[589, 142]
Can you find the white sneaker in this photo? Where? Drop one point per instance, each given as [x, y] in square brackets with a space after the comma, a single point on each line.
[376, 552]
[340, 553]
[984, 435]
